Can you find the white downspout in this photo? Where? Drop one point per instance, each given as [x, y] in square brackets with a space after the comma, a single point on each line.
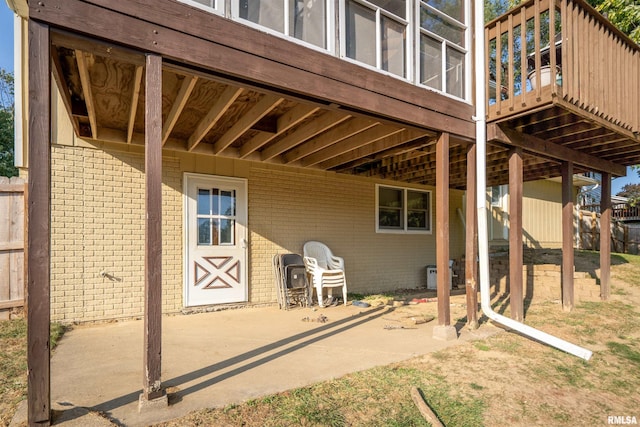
[483, 240]
[18, 144]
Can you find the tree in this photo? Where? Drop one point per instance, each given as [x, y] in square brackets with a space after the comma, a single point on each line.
[631, 192]
[624, 14]
[7, 114]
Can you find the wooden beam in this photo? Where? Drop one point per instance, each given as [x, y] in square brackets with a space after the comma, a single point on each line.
[230, 48]
[258, 111]
[538, 146]
[305, 132]
[471, 241]
[567, 236]
[442, 229]
[369, 136]
[85, 80]
[63, 90]
[382, 147]
[285, 122]
[605, 237]
[152, 388]
[135, 95]
[113, 51]
[221, 105]
[186, 88]
[39, 227]
[337, 134]
[515, 234]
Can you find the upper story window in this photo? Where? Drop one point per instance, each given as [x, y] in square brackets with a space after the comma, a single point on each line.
[443, 45]
[375, 33]
[304, 20]
[426, 42]
[214, 5]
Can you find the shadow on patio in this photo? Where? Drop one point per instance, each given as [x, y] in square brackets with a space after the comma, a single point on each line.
[220, 358]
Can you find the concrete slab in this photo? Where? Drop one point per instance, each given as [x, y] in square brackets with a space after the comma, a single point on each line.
[215, 359]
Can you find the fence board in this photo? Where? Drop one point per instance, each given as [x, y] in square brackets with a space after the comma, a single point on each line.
[625, 237]
[12, 209]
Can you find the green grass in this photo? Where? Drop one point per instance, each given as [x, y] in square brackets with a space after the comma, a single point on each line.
[625, 352]
[13, 363]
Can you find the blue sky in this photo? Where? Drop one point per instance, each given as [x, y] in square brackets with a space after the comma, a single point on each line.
[6, 62]
[6, 36]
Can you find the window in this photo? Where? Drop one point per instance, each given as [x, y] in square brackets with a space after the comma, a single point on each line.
[216, 216]
[304, 20]
[400, 210]
[211, 5]
[498, 192]
[443, 45]
[375, 33]
[426, 42]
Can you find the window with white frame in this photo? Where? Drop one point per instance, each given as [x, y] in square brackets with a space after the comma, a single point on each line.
[426, 42]
[211, 5]
[498, 193]
[375, 33]
[443, 34]
[304, 20]
[400, 210]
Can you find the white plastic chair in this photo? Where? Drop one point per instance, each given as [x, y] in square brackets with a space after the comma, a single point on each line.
[326, 270]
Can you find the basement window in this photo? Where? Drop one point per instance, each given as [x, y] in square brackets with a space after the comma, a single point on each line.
[402, 210]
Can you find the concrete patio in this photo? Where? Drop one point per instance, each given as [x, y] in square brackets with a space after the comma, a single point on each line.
[215, 359]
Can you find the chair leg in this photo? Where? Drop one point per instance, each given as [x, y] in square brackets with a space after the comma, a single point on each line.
[344, 294]
[319, 292]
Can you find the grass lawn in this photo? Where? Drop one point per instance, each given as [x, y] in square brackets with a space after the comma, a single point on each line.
[506, 380]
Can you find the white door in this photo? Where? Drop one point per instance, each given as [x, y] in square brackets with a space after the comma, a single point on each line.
[216, 239]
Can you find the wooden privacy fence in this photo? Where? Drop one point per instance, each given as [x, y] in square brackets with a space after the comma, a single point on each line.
[625, 237]
[12, 244]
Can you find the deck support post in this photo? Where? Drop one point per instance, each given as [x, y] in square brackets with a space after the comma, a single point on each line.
[471, 239]
[605, 237]
[515, 234]
[39, 227]
[567, 236]
[444, 330]
[152, 392]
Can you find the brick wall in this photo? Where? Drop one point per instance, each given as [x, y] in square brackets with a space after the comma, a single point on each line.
[97, 203]
[542, 281]
[98, 226]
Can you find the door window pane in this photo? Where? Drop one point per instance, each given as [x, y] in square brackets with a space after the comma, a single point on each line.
[227, 203]
[455, 72]
[227, 232]
[307, 21]
[393, 43]
[204, 202]
[268, 13]
[204, 231]
[431, 62]
[361, 33]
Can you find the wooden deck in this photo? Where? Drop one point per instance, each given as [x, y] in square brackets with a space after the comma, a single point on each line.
[566, 77]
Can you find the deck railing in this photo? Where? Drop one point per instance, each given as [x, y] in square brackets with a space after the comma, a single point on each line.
[619, 211]
[562, 48]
